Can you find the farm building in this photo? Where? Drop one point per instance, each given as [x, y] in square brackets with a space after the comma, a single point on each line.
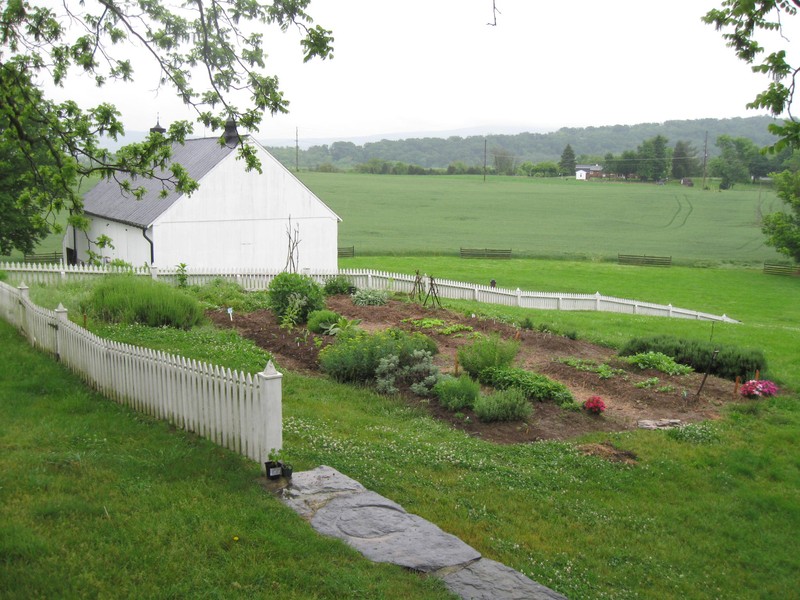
[584, 172]
[237, 218]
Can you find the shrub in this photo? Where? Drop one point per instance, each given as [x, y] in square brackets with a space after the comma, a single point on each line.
[731, 362]
[418, 373]
[457, 393]
[356, 354]
[758, 389]
[486, 352]
[130, 299]
[370, 297]
[505, 405]
[594, 405]
[295, 295]
[533, 385]
[658, 361]
[318, 320]
[338, 285]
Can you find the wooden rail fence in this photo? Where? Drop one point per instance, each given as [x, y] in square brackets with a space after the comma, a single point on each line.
[485, 253]
[236, 410]
[646, 261]
[47, 257]
[778, 269]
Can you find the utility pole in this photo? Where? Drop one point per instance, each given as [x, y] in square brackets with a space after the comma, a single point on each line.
[705, 160]
[484, 160]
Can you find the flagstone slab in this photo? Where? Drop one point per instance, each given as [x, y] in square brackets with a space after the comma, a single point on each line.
[383, 531]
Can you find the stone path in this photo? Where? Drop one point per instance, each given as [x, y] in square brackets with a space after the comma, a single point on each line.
[383, 531]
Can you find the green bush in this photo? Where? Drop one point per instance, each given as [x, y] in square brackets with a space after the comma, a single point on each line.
[658, 361]
[487, 352]
[418, 373]
[295, 296]
[337, 285]
[130, 299]
[3, 276]
[533, 385]
[356, 354]
[505, 405]
[221, 293]
[319, 319]
[731, 362]
[370, 298]
[457, 393]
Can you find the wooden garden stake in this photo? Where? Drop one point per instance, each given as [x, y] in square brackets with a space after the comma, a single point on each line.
[708, 370]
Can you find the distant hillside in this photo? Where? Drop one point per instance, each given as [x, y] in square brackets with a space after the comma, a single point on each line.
[433, 152]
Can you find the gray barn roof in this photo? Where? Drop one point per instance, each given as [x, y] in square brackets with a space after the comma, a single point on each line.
[107, 200]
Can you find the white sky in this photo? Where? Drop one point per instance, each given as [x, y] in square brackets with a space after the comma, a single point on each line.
[436, 66]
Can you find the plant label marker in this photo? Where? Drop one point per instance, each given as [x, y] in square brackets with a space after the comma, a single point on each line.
[230, 312]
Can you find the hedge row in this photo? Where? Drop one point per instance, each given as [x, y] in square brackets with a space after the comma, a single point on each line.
[731, 362]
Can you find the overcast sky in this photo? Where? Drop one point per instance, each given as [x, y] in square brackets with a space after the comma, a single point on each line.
[411, 67]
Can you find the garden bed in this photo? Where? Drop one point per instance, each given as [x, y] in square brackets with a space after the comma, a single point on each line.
[542, 352]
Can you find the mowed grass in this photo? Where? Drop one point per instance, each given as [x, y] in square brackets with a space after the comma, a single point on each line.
[557, 218]
[712, 515]
[99, 502]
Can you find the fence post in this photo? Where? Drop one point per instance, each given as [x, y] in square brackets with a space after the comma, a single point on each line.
[270, 404]
[519, 297]
[597, 301]
[669, 306]
[21, 321]
[61, 317]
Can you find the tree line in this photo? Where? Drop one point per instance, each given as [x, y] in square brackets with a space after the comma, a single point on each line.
[499, 151]
[737, 160]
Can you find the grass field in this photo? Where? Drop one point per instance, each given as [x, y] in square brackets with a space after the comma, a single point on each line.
[557, 218]
[714, 514]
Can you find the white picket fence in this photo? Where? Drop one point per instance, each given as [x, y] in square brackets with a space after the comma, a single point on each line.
[236, 410]
[255, 279]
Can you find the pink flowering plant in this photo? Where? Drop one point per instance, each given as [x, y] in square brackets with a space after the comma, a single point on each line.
[758, 388]
[594, 405]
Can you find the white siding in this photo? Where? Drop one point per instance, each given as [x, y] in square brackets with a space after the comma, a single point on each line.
[129, 243]
[240, 218]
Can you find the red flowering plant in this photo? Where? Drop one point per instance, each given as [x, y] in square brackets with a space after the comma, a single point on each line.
[594, 405]
[756, 388]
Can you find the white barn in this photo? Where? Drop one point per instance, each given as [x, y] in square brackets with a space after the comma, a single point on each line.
[237, 218]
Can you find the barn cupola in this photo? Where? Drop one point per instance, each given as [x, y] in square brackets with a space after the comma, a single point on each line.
[158, 128]
[231, 135]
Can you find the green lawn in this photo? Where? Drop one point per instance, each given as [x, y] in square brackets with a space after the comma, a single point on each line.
[401, 215]
[712, 514]
[99, 502]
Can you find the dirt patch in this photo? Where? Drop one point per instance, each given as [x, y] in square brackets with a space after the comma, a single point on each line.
[673, 397]
[609, 452]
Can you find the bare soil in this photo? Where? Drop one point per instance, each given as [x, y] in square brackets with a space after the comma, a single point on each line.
[626, 404]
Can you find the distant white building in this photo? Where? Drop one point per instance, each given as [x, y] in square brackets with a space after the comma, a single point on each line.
[584, 172]
[237, 218]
